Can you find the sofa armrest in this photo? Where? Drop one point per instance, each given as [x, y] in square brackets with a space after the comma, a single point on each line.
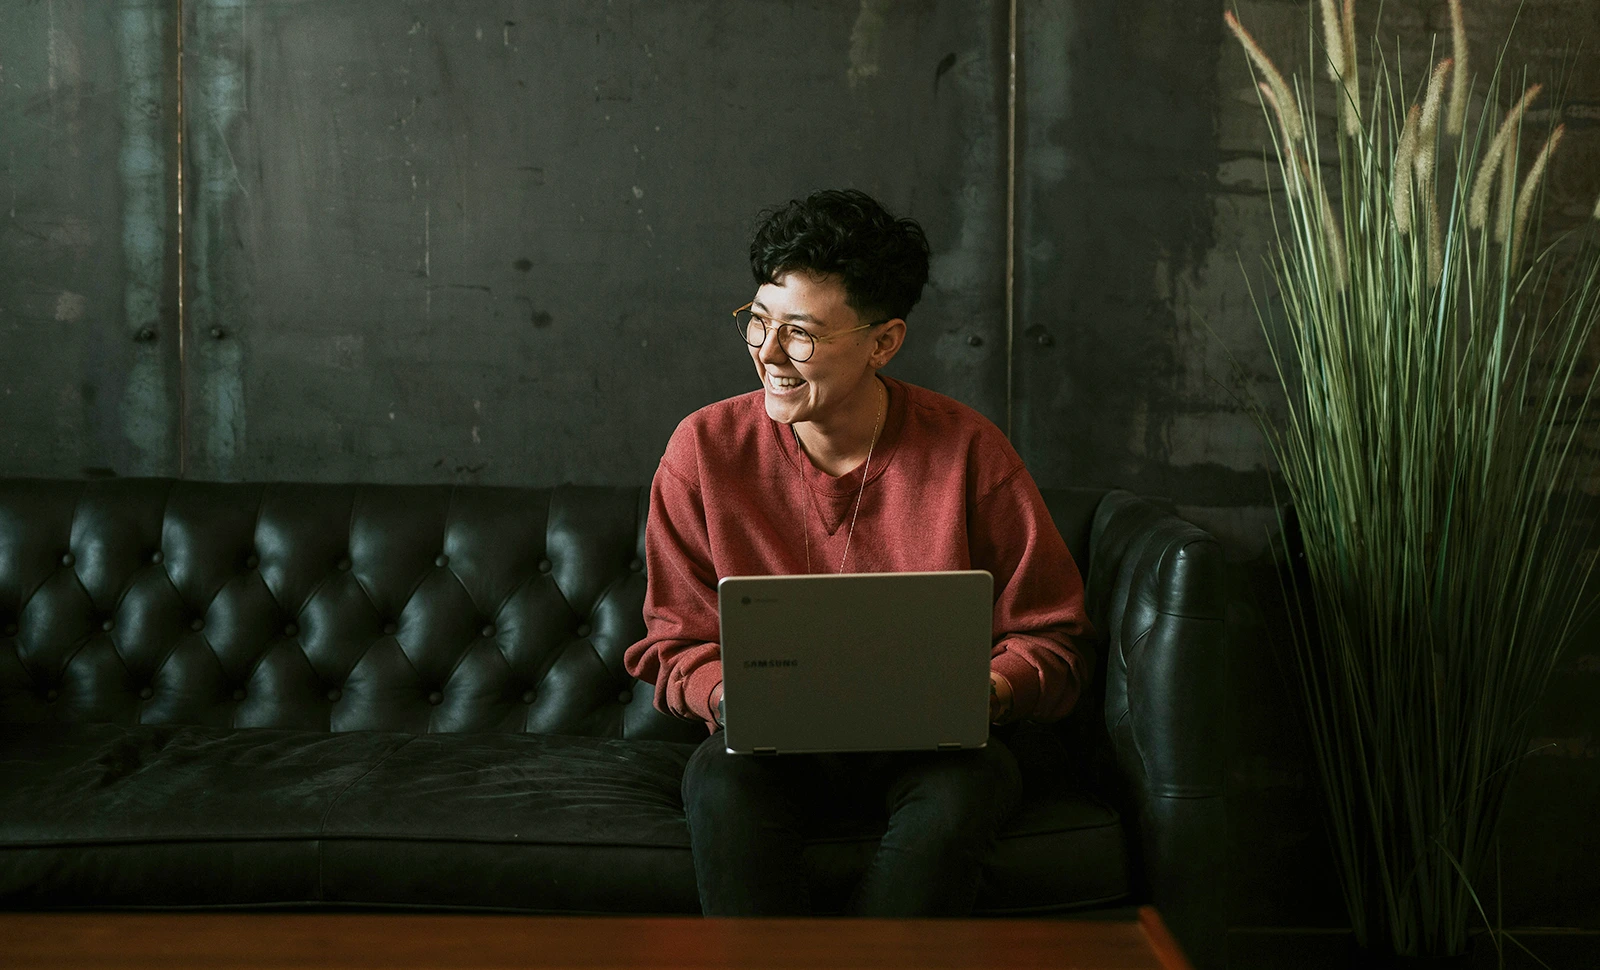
[1157, 593]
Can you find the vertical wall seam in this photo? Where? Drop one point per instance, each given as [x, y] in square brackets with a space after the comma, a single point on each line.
[183, 360]
[145, 391]
[1011, 218]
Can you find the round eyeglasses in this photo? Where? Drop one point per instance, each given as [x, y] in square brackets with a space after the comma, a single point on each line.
[798, 344]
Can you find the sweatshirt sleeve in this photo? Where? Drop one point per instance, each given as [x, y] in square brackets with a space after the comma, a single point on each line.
[679, 653]
[1041, 631]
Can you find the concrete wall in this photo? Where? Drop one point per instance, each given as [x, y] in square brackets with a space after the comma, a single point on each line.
[497, 242]
[500, 242]
[89, 379]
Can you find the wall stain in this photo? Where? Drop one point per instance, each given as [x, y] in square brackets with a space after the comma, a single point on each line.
[864, 40]
[70, 307]
[945, 64]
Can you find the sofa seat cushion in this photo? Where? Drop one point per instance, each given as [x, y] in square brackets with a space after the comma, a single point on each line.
[114, 816]
[1064, 849]
[107, 815]
[533, 822]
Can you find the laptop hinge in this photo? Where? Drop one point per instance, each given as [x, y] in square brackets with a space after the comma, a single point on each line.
[949, 745]
[764, 750]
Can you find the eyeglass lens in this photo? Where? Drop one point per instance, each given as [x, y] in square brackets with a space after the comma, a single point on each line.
[796, 343]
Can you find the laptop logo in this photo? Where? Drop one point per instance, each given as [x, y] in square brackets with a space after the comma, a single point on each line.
[778, 662]
[747, 600]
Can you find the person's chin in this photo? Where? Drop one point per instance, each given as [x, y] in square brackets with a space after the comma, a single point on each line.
[779, 412]
[780, 409]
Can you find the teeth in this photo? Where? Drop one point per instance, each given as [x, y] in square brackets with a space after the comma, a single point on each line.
[786, 382]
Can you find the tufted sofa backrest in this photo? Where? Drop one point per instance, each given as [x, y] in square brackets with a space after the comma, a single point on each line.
[326, 607]
[424, 609]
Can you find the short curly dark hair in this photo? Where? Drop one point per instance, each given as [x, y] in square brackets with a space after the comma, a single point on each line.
[881, 261]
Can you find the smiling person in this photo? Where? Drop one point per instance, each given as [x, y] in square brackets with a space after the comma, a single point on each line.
[831, 467]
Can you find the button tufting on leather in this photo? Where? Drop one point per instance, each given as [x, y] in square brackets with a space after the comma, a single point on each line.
[218, 572]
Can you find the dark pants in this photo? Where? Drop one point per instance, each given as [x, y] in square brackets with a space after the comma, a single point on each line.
[749, 816]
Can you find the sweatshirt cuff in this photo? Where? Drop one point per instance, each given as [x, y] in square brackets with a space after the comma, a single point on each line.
[697, 693]
[1024, 681]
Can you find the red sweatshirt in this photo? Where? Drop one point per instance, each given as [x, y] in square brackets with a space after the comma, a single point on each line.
[945, 491]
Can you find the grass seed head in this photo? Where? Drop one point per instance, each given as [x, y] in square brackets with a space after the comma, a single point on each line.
[1333, 39]
[1289, 108]
[1428, 127]
[1493, 158]
[1404, 160]
[1350, 104]
[1530, 187]
[1459, 83]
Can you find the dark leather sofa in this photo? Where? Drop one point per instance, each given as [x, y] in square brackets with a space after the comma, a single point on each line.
[279, 695]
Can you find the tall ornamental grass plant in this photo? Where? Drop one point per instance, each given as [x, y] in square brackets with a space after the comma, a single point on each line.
[1439, 426]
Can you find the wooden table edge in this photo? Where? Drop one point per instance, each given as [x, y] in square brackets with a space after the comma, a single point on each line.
[1161, 940]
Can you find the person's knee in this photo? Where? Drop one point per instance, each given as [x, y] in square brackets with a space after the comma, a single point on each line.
[708, 777]
[954, 792]
[717, 783]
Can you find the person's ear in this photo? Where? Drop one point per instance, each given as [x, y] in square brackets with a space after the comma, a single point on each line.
[887, 340]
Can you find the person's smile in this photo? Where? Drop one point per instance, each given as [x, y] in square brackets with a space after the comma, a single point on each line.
[782, 384]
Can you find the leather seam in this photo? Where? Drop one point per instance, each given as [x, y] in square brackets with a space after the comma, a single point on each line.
[1183, 796]
[322, 824]
[1191, 616]
[79, 647]
[367, 595]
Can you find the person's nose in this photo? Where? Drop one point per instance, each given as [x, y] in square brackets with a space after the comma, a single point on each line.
[771, 350]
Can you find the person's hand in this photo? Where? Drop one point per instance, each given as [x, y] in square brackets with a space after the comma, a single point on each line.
[999, 697]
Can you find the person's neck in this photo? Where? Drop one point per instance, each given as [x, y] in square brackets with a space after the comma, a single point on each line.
[838, 447]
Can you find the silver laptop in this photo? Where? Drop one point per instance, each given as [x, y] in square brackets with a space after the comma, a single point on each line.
[856, 662]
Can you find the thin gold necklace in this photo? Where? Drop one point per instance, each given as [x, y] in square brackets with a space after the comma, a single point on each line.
[877, 426]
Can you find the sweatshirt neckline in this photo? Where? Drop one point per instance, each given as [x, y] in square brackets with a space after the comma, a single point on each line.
[821, 482]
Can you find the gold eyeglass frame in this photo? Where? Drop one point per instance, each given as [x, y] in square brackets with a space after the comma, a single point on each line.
[814, 338]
